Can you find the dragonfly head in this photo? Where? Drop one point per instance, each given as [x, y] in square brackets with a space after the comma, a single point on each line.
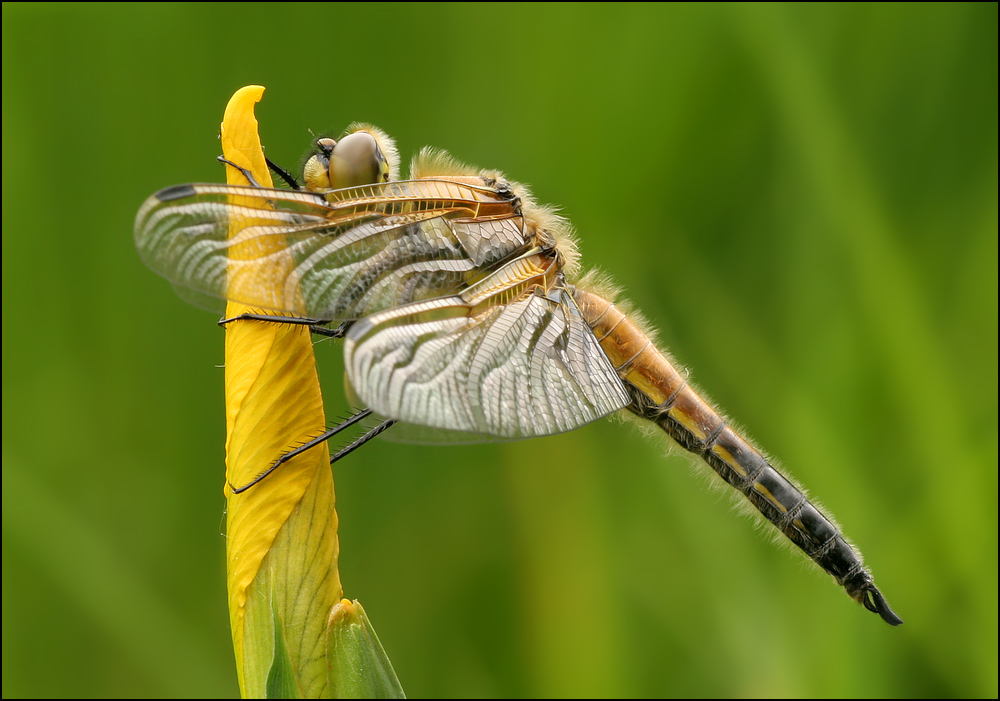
[366, 156]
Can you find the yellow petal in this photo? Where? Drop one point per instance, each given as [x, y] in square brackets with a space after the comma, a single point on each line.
[281, 533]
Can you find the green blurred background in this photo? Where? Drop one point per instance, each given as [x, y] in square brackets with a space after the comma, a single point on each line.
[802, 198]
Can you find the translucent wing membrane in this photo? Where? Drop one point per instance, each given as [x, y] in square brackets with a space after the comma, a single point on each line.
[354, 251]
[503, 359]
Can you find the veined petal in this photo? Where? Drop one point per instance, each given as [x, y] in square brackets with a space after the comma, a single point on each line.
[282, 543]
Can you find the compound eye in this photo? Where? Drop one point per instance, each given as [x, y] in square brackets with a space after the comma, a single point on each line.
[357, 160]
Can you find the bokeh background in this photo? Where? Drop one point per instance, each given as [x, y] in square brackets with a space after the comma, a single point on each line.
[803, 199]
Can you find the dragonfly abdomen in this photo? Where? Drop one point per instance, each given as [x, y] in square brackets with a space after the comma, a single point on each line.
[661, 394]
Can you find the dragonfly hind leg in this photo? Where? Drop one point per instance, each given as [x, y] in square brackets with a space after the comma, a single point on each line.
[316, 326]
[361, 440]
[323, 437]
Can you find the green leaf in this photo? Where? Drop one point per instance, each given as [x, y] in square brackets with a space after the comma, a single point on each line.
[359, 667]
[281, 682]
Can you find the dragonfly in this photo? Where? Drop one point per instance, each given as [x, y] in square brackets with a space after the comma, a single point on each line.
[462, 309]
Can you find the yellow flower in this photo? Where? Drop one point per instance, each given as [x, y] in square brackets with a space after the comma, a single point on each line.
[281, 534]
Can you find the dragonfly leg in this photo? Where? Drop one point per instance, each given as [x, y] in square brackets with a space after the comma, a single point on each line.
[325, 436]
[361, 440]
[243, 171]
[278, 170]
[283, 174]
[317, 326]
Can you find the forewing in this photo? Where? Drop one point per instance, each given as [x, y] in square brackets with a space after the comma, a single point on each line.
[353, 252]
[528, 368]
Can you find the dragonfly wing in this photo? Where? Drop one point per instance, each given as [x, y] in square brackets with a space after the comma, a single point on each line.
[342, 255]
[531, 367]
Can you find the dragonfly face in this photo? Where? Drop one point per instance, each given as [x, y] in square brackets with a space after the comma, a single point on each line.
[357, 159]
[463, 311]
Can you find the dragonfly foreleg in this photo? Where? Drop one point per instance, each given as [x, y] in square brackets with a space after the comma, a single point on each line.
[278, 170]
[316, 326]
[283, 174]
[243, 171]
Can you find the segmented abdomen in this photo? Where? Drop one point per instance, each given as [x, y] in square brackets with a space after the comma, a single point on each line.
[661, 394]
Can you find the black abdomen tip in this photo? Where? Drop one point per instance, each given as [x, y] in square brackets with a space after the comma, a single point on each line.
[876, 603]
